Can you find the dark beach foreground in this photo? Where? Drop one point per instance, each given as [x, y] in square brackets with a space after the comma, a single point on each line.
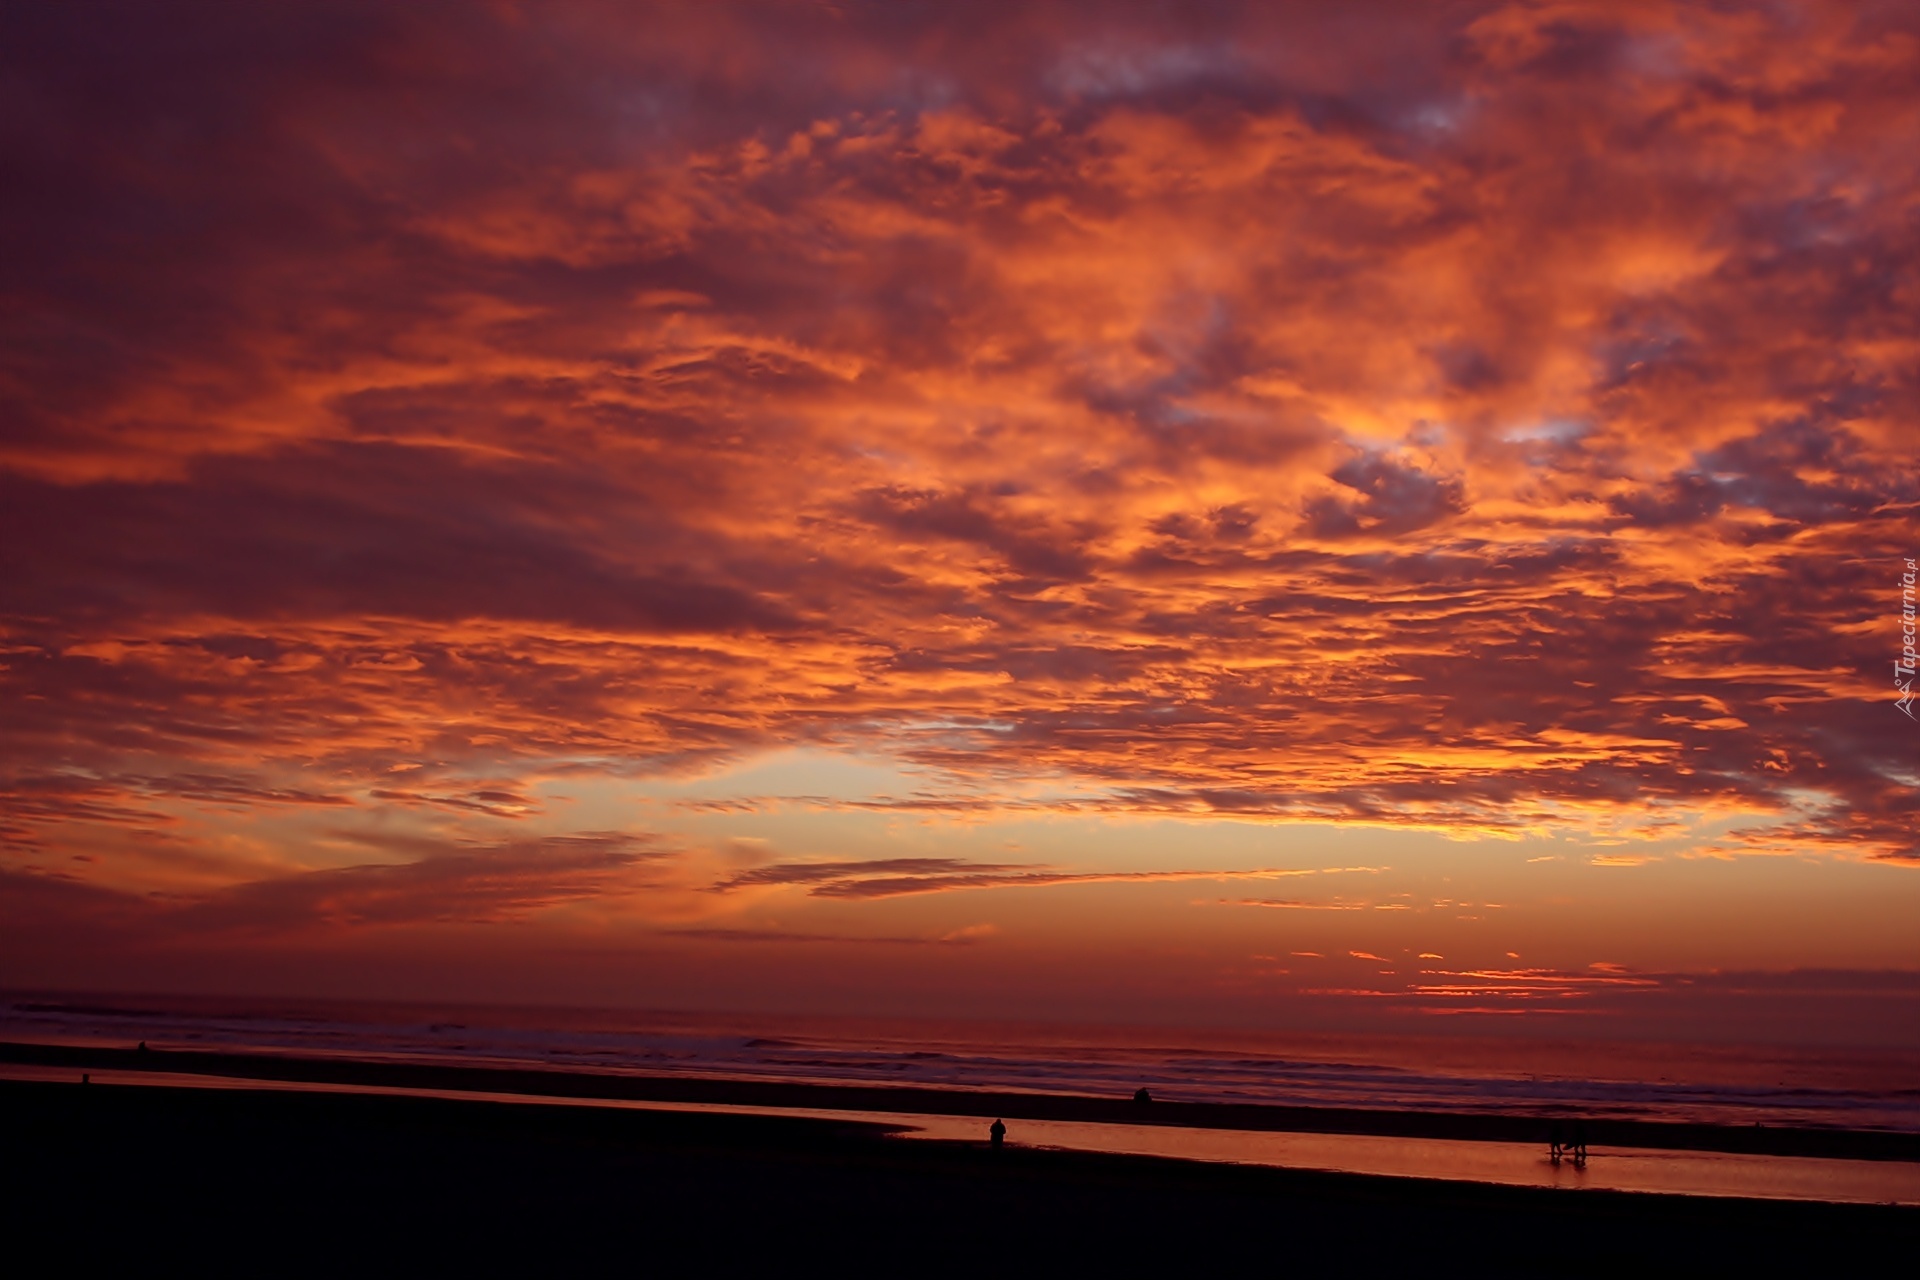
[300, 1182]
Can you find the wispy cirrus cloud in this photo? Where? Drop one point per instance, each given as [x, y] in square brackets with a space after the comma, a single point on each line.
[899, 877]
[966, 936]
[418, 882]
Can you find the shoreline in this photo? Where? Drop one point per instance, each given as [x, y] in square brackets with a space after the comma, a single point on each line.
[560, 1082]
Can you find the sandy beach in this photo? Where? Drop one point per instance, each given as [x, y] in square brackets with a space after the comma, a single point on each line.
[317, 1182]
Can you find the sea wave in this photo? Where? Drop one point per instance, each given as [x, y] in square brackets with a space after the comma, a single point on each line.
[1720, 1084]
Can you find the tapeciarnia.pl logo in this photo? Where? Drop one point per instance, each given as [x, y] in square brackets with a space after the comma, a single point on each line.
[1903, 665]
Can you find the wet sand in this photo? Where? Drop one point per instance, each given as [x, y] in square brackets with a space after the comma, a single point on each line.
[306, 1183]
[1692, 1173]
[1847, 1144]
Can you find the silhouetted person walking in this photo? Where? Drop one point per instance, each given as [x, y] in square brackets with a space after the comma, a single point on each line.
[997, 1134]
[1579, 1140]
[1556, 1141]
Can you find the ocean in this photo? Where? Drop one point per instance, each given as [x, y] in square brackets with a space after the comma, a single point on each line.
[1718, 1084]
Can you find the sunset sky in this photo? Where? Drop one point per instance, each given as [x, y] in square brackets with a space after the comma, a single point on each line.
[1329, 516]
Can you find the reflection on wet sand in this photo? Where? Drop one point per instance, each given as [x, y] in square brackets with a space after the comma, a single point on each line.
[1698, 1173]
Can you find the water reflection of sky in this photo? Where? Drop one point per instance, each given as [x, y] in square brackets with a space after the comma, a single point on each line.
[1693, 1173]
[1696, 1173]
[1349, 1073]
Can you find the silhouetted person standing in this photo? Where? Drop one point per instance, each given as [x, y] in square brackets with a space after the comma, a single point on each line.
[997, 1134]
[1579, 1140]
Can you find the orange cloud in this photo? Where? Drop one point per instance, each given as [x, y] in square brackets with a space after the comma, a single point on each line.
[1500, 427]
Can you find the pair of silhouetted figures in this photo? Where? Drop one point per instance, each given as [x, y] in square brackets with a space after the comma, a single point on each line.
[1568, 1140]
